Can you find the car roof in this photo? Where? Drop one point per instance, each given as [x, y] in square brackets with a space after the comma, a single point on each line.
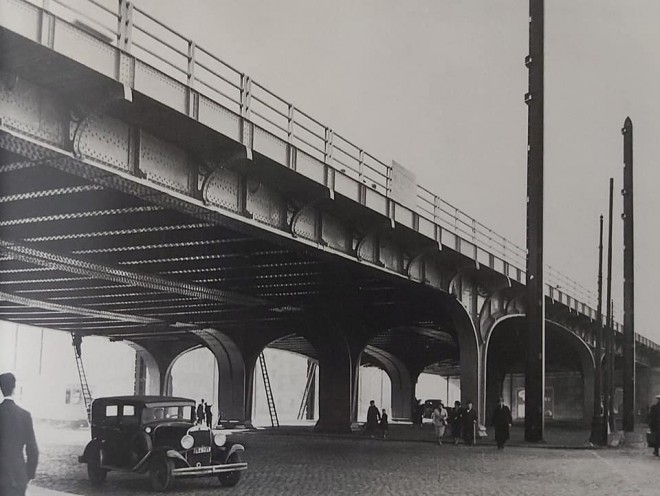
[144, 400]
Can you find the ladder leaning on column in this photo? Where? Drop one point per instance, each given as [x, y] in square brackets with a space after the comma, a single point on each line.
[84, 386]
[269, 392]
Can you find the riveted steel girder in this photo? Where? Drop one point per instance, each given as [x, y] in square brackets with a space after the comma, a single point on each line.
[123, 276]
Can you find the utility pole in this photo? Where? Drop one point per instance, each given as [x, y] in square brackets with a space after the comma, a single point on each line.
[628, 281]
[610, 328]
[611, 365]
[598, 434]
[535, 295]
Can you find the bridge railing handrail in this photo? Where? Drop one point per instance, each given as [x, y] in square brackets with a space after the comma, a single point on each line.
[194, 66]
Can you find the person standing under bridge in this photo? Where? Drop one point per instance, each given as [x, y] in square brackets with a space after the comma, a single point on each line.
[439, 420]
[469, 424]
[16, 435]
[208, 412]
[373, 418]
[456, 420]
[200, 413]
[501, 422]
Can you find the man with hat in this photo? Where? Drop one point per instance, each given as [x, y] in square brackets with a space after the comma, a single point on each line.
[654, 425]
[16, 434]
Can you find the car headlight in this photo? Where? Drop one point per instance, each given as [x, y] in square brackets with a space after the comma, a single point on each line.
[147, 430]
[187, 441]
[219, 439]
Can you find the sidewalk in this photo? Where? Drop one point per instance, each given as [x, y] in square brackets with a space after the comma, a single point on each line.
[557, 435]
[40, 491]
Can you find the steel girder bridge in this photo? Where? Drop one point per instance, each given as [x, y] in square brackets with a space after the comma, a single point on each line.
[151, 192]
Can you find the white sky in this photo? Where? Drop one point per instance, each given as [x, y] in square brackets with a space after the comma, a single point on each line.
[438, 86]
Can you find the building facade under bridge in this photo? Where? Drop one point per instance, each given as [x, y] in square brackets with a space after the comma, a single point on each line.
[154, 194]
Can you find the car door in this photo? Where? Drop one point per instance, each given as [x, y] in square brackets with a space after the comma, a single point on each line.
[109, 432]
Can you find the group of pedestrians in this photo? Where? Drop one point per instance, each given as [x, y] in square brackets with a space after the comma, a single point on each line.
[205, 414]
[376, 421]
[462, 421]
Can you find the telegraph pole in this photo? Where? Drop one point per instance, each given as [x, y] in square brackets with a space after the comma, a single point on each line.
[610, 328]
[598, 434]
[535, 297]
[628, 281]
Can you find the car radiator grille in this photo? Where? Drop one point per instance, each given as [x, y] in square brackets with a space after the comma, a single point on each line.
[202, 439]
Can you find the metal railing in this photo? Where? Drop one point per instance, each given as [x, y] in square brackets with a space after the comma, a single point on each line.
[143, 36]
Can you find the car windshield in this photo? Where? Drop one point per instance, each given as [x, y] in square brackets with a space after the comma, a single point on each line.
[167, 413]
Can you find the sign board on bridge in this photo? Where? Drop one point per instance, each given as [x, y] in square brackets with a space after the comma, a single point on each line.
[403, 186]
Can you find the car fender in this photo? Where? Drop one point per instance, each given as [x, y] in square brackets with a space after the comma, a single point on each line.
[175, 455]
[94, 443]
[234, 449]
[143, 465]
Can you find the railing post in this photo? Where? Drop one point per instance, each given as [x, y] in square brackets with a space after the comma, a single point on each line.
[246, 95]
[125, 25]
[474, 239]
[289, 124]
[192, 96]
[329, 147]
[361, 164]
[192, 48]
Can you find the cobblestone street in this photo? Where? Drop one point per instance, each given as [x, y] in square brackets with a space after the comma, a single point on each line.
[311, 465]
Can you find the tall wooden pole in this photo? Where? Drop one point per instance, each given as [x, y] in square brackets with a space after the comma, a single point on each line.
[628, 281]
[598, 432]
[610, 328]
[535, 297]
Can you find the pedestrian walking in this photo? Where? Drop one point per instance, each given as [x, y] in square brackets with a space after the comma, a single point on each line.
[654, 426]
[384, 425]
[417, 413]
[200, 412]
[469, 424]
[373, 418]
[456, 420]
[208, 413]
[439, 420]
[16, 435]
[501, 422]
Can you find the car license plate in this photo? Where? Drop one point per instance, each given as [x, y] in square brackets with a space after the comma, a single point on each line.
[201, 449]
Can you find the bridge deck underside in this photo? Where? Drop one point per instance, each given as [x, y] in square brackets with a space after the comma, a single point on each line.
[79, 257]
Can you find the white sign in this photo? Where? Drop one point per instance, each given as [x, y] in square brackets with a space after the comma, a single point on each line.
[403, 186]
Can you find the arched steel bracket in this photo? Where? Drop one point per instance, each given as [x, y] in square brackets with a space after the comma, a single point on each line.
[302, 210]
[417, 258]
[373, 234]
[96, 112]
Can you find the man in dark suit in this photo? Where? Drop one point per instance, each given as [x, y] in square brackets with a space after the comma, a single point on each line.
[502, 422]
[16, 433]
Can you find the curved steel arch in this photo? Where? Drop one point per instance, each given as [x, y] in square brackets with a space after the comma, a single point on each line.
[583, 351]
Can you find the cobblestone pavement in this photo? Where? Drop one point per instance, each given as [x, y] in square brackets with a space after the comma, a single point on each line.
[316, 465]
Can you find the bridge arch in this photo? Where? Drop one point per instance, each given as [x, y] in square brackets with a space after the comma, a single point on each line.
[294, 375]
[566, 354]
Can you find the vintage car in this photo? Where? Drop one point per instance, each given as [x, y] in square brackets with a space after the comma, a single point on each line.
[158, 435]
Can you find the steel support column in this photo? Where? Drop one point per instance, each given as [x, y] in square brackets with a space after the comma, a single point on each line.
[628, 282]
[535, 349]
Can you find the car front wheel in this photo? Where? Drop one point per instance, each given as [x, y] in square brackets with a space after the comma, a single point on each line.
[229, 479]
[95, 472]
[160, 473]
